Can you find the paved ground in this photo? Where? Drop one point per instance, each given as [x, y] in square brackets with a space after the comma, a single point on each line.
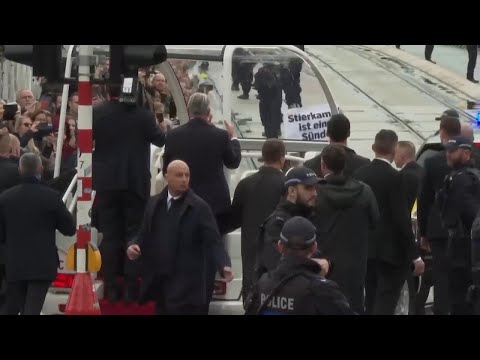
[450, 57]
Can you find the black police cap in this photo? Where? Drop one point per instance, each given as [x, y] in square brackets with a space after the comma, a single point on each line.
[298, 232]
[449, 113]
[301, 175]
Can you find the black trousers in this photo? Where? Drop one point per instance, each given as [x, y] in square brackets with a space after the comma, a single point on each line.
[161, 309]
[440, 276]
[429, 51]
[165, 306]
[120, 214]
[460, 281]
[351, 285]
[2, 286]
[422, 296]
[26, 297]
[271, 115]
[383, 285]
[472, 60]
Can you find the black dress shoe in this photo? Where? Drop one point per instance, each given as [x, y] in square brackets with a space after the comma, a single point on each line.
[243, 97]
[433, 62]
[473, 80]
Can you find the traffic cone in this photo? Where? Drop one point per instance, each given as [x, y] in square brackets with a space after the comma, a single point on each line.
[83, 299]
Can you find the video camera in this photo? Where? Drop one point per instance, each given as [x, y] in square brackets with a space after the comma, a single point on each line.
[43, 130]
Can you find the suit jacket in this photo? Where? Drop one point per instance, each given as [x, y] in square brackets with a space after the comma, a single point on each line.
[9, 176]
[206, 149]
[412, 176]
[429, 219]
[353, 162]
[392, 240]
[30, 213]
[256, 197]
[199, 248]
[121, 160]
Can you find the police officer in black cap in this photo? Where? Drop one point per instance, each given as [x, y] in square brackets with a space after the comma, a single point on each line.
[296, 287]
[472, 62]
[459, 202]
[299, 200]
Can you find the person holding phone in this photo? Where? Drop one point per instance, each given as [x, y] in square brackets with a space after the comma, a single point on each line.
[164, 123]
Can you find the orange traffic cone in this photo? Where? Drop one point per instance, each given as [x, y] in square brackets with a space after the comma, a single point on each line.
[83, 299]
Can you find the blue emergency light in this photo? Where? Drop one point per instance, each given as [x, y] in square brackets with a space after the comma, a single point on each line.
[478, 118]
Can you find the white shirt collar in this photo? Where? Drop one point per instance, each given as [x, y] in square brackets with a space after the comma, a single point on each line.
[170, 196]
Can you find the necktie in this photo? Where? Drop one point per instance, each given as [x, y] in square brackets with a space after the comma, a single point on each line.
[169, 205]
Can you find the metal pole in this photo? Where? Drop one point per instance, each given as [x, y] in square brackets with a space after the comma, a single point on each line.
[63, 113]
[85, 148]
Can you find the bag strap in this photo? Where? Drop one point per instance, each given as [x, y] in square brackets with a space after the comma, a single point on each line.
[277, 287]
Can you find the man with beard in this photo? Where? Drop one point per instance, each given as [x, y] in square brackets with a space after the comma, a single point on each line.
[459, 201]
[299, 201]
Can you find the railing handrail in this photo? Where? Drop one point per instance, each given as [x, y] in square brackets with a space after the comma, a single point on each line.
[70, 188]
[258, 155]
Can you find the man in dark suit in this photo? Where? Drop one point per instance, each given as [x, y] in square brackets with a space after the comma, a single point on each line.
[31, 252]
[392, 245]
[206, 149]
[256, 197]
[178, 244]
[338, 130]
[411, 173]
[409, 169]
[121, 178]
[433, 235]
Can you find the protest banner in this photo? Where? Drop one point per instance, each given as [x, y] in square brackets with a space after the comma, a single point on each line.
[307, 123]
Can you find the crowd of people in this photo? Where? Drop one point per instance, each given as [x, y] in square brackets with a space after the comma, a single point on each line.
[333, 236]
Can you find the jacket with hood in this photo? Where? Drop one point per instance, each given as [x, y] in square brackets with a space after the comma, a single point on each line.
[345, 212]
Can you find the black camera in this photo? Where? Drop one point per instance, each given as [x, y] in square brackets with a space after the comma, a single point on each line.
[44, 130]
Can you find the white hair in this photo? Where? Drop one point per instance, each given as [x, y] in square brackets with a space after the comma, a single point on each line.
[30, 164]
[198, 105]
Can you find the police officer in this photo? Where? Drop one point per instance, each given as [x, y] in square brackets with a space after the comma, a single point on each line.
[296, 287]
[299, 200]
[459, 201]
[269, 88]
[428, 53]
[472, 62]
[290, 78]
[242, 73]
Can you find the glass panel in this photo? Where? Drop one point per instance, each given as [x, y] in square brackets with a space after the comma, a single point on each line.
[270, 85]
[202, 76]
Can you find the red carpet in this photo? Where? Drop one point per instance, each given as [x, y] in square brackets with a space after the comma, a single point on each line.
[121, 308]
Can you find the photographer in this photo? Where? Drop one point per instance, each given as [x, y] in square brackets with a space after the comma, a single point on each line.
[121, 178]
